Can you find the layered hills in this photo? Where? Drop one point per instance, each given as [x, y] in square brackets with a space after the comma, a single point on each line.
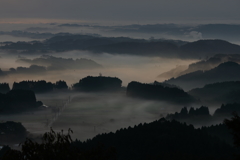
[227, 71]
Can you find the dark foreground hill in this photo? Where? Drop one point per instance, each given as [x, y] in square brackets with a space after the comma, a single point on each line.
[158, 91]
[163, 139]
[12, 132]
[228, 71]
[160, 139]
[4, 87]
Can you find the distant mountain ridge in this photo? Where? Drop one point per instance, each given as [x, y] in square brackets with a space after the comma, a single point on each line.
[126, 45]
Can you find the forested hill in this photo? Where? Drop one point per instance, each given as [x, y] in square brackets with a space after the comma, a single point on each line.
[158, 91]
[98, 84]
[18, 100]
[163, 139]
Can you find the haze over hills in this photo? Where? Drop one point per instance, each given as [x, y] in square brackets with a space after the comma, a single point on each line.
[227, 71]
[47, 63]
[203, 65]
[92, 66]
[125, 45]
[59, 63]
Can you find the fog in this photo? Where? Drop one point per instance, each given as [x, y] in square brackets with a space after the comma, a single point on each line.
[127, 68]
[90, 114]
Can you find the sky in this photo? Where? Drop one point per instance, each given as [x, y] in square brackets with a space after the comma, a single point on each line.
[112, 11]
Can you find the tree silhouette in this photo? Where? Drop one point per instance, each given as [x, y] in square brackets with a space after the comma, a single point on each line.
[234, 125]
[59, 146]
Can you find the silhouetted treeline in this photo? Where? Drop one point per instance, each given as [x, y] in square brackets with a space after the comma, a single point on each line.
[4, 87]
[60, 85]
[192, 116]
[16, 100]
[184, 113]
[158, 92]
[40, 86]
[200, 116]
[56, 146]
[98, 84]
[163, 139]
[12, 132]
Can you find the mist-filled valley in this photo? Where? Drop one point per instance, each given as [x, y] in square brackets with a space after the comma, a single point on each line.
[175, 80]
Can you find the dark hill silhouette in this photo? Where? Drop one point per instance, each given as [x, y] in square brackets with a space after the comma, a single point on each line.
[201, 116]
[36, 86]
[207, 48]
[212, 62]
[60, 85]
[40, 86]
[165, 49]
[185, 115]
[18, 100]
[12, 132]
[158, 91]
[4, 87]
[227, 71]
[125, 45]
[98, 84]
[221, 131]
[221, 92]
[204, 65]
[227, 109]
[163, 139]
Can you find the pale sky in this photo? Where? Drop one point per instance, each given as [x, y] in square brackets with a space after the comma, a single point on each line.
[142, 11]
